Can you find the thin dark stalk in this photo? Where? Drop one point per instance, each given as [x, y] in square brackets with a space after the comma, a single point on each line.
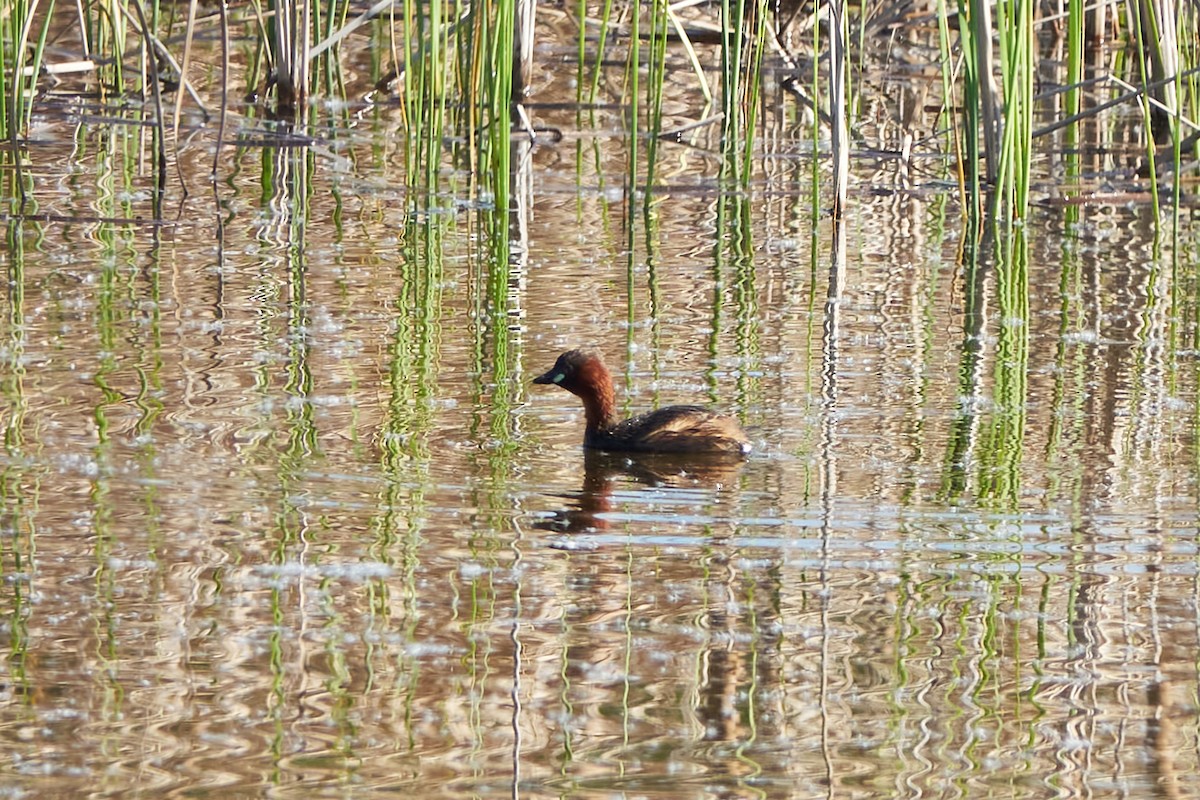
[815, 178]
[840, 138]
[981, 23]
[160, 145]
[189, 32]
[160, 50]
[224, 18]
[972, 108]
[1138, 19]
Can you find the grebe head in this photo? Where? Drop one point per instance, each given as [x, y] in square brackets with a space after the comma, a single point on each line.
[576, 371]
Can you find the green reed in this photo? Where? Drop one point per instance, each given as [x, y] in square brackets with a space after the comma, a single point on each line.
[974, 37]
[815, 129]
[1187, 82]
[458, 78]
[1016, 37]
[486, 91]
[25, 63]
[1168, 61]
[326, 64]
[632, 149]
[21, 59]
[449, 44]
[656, 79]
[1076, 21]
[950, 107]
[1162, 46]
[106, 34]
[593, 85]
[743, 41]
[12, 59]
[581, 17]
[733, 13]
[752, 101]
[1150, 54]
[494, 97]
[456, 64]
[997, 129]
[1188, 76]
[424, 100]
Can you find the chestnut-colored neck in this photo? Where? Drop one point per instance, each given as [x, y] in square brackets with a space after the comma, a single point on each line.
[594, 386]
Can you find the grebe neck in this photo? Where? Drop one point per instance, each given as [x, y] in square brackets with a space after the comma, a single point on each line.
[599, 401]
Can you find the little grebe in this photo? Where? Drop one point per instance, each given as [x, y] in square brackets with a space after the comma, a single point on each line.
[674, 429]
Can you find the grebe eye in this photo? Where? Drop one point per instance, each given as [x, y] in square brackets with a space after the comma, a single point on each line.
[560, 377]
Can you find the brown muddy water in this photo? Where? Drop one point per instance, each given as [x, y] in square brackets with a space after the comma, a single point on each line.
[284, 516]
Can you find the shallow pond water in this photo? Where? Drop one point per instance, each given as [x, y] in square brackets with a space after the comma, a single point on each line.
[283, 514]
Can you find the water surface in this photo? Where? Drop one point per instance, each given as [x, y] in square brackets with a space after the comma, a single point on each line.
[283, 514]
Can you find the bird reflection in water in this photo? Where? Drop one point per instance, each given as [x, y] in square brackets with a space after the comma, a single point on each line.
[605, 472]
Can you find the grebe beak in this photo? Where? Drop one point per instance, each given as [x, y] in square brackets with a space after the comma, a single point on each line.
[550, 377]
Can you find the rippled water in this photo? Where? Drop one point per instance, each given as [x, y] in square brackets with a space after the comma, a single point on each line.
[283, 514]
